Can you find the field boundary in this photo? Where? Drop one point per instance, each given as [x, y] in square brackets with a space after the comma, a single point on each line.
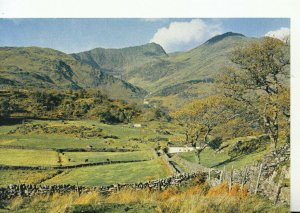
[70, 149]
[26, 190]
[257, 179]
[8, 167]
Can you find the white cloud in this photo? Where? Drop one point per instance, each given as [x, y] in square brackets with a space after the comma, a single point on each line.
[283, 33]
[180, 36]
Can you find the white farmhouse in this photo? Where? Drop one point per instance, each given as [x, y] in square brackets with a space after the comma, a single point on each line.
[137, 125]
[176, 148]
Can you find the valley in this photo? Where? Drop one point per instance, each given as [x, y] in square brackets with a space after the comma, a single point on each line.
[92, 131]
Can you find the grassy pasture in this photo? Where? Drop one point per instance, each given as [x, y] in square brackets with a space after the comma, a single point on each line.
[23, 176]
[125, 133]
[210, 158]
[56, 141]
[80, 157]
[20, 157]
[114, 173]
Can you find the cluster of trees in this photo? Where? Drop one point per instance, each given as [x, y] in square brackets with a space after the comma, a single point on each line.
[5, 108]
[70, 104]
[74, 104]
[254, 98]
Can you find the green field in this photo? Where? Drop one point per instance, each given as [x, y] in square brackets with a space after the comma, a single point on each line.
[20, 157]
[80, 157]
[114, 173]
[124, 132]
[211, 158]
[23, 176]
[128, 138]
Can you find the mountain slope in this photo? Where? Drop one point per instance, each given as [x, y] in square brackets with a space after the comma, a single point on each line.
[47, 68]
[119, 62]
[201, 63]
[157, 70]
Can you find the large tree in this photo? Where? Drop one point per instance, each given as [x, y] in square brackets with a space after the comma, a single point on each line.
[201, 117]
[259, 79]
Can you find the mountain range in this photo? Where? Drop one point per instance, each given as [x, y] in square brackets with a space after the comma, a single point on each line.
[149, 67]
[132, 72]
[45, 68]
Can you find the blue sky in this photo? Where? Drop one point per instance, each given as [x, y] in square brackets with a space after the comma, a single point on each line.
[75, 35]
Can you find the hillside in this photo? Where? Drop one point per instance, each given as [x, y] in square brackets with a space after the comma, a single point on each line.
[47, 68]
[203, 62]
[122, 62]
[76, 137]
[170, 79]
[149, 67]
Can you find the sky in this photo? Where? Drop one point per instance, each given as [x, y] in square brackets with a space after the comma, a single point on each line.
[174, 34]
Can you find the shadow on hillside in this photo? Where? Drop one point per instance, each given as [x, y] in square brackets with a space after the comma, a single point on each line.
[227, 161]
[11, 121]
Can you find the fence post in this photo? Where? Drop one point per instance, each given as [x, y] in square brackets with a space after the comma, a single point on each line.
[77, 189]
[279, 186]
[230, 179]
[118, 188]
[224, 176]
[258, 177]
[277, 193]
[208, 174]
[244, 177]
[159, 188]
[221, 176]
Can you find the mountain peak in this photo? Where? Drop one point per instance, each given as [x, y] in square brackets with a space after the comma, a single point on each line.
[151, 48]
[222, 36]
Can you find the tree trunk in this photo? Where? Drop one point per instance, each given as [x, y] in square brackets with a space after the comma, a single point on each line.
[206, 135]
[271, 125]
[197, 152]
[274, 138]
[186, 136]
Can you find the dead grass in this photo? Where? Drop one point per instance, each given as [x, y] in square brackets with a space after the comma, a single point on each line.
[223, 189]
[195, 198]
[16, 204]
[132, 196]
[167, 194]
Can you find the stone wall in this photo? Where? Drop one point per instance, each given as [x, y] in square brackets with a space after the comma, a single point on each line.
[28, 190]
[187, 165]
[267, 177]
[71, 149]
[174, 167]
[5, 167]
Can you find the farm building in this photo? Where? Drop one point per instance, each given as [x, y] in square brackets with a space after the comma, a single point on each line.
[179, 147]
[137, 125]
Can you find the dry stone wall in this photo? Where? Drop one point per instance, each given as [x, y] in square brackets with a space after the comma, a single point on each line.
[5, 167]
[266, 178]
[71, 149]
[28, 190]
